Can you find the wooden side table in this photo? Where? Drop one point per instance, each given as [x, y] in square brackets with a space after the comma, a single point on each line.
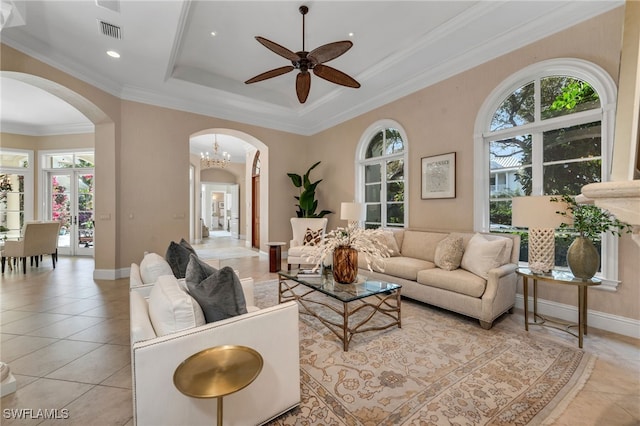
[557, 277]
[275, 255]
[218, 371]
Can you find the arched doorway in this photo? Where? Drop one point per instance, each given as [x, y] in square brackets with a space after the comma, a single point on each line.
[105, 169]
[251, 146]
[255, 201]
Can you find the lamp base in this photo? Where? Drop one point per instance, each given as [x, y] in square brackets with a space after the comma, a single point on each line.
[542, 248]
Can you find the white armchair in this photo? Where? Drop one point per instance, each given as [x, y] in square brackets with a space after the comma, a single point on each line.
[298, 253]
[38, 238]
[273, 332]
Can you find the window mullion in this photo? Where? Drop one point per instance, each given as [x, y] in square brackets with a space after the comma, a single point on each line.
[537, 166]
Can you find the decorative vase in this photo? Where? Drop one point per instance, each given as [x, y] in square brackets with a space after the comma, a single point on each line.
[345, 265]
[583, 258]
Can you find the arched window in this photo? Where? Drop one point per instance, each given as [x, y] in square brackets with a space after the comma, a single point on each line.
[547, 130]
[382, 175]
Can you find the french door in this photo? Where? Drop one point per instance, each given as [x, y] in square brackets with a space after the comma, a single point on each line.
[70, 202]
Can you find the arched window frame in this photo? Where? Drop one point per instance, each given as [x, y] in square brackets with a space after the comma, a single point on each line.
[361, 161]
[602, 83]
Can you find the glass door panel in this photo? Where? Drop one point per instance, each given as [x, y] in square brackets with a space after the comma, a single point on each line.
[71, 204]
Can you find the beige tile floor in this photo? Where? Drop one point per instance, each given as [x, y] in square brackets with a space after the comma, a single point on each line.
[66, 338]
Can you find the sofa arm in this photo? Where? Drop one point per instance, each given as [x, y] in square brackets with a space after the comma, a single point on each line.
[247, 289]
[273, 332]
[135, 279]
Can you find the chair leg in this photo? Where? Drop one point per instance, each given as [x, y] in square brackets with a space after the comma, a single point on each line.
[37, 261]
[4, 259]
[53, 259]
[24, 265]
[31, 261]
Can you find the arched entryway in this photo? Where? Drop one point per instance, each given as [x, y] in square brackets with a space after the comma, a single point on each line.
[105, 170]
[248, 206]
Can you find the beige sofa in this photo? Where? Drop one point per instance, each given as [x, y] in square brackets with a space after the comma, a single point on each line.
[482, 287]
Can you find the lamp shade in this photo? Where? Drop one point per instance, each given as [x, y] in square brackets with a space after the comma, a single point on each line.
[537, 212]
[352, 211]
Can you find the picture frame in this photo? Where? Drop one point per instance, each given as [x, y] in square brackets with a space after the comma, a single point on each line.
[438, 176]
[221, 205]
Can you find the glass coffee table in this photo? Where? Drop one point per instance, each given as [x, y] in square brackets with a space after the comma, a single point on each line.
[368, 298]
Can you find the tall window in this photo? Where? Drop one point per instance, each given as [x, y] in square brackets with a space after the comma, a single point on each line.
[382, 175]
[545, 132]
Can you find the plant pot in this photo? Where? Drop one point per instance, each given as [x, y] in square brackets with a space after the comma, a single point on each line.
[583, 258]
[345, 265]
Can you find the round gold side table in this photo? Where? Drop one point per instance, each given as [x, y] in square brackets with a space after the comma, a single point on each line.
[218, 371]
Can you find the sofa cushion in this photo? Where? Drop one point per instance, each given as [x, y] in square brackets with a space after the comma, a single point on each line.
[482, 255]
[171, 309]
[449, 253]
[220, 295]
[421, 244]
[405, 267]
[178, 257]
[153, 266]
[300, 251]
[389, 240]
[311, 237]
[458, 280]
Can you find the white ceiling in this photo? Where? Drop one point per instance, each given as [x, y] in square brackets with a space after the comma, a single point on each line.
[169, 58]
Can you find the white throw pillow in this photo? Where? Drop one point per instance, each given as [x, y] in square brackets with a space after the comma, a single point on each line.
[171, 309]
[153, 266]
[482, 255]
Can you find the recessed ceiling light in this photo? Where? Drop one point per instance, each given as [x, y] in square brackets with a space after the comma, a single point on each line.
[213, 33]
[113, 54]
[351, 34]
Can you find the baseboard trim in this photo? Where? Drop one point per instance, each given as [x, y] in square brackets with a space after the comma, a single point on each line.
[601, 320]
[110, 274]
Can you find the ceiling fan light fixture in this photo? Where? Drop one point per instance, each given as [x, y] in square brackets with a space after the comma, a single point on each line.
[308, 61]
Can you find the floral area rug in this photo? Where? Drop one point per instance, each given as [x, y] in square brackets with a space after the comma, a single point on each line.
[438, 369]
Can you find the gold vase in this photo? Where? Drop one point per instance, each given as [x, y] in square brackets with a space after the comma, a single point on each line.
[345, 265]
[583, 258]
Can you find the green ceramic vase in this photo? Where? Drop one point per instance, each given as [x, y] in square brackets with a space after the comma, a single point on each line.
[583, 258]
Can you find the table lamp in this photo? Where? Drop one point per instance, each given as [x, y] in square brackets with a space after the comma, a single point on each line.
[539, 214]
[352, 212]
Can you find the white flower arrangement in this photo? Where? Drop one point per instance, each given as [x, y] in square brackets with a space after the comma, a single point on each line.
[368, 242]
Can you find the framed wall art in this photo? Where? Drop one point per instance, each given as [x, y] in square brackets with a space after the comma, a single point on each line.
[439, 176]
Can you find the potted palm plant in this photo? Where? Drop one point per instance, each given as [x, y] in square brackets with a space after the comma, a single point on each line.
[307, 203]
[590, 222]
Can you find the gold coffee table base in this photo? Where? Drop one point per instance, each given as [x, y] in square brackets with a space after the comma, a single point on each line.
[218, 371]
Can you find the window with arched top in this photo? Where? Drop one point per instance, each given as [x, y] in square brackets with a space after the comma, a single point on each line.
[546, 130]
[382, 175]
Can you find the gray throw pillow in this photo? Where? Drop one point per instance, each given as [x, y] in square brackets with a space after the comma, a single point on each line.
[220, 295]
[197, 270]
[178, 257]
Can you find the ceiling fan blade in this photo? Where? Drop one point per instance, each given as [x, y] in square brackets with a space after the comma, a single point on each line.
[280, 50]
[329, 51]
[303, 84]
[270, 74]
[335, 76]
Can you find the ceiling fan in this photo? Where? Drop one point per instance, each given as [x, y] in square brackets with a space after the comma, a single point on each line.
[307, 61]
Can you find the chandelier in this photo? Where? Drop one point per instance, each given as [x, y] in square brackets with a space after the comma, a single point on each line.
[216, 160]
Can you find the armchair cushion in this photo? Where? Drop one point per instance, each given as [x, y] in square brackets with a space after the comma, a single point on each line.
[220, 295]
[312, 238]
[178, 257]
[171, 309]
[152, 267]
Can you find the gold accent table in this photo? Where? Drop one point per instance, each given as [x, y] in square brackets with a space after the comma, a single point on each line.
[218, 371]
[557, 277]
[378, 297]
